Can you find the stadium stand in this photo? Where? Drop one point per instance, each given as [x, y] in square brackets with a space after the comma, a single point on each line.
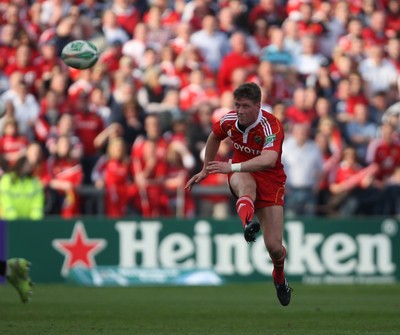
[333, 65]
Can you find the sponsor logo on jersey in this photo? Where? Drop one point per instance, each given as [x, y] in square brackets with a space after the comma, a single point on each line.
[258, 139]
[269, 141]
[247, 150]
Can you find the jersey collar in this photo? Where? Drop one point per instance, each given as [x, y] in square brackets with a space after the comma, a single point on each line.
[256, 122]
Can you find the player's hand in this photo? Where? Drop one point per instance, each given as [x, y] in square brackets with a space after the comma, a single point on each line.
[197, 178]
[219, 167]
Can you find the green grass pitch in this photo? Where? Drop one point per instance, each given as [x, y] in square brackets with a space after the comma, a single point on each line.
[231, 309]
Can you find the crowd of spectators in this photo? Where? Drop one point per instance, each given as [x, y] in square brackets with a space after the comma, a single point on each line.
[133, 126]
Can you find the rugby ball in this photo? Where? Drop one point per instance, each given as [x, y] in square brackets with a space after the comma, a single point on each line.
[80, 54]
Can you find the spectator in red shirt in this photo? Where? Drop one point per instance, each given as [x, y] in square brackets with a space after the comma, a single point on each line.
[357, 94]
[385, 152]
[111, 56]
[66, 175]
[352, 187]
[194, 94]
[356, 7]
[307, 24]
[392, 18]
[82, 85]
[169, 73]
[169, 17]
[195, 11]
[180, 163]
[8, 36]
[87, 125]
[127, 14]
[269, 10]
[149, 168]
[188, 60]
[374, 32]
[23, 63]
[181, 40]
[239, 57]
[45, 64]
[298, 112]
[12, 144]
[354, 31]
[112, 173]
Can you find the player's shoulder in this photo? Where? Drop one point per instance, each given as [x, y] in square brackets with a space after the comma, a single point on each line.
[267, 113]
[270, 120]
[228, 117]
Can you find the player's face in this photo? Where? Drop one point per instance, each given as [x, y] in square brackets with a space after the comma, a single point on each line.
[247, 111]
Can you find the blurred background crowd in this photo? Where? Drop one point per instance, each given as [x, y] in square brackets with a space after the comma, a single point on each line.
[122, 137]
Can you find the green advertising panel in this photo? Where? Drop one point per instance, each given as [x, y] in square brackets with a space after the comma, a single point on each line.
[319, 250]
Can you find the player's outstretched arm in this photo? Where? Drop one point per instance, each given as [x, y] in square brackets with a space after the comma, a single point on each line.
[197, 178]
[212, 146]
[266, 160]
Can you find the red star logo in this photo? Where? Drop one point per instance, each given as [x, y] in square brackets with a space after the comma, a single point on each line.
[79, 249]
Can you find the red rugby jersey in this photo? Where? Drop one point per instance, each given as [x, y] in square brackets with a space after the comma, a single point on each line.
[266, 133]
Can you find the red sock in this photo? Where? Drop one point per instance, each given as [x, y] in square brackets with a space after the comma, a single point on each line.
[278, 273]
[245, 209]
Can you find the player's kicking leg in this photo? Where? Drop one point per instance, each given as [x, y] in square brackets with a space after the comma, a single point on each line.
[271, 219]
[250, 231]
[17, 274]
[283, 292]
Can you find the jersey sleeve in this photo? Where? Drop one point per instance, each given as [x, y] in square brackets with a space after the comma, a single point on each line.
[219, 131]
[274, 140]
[220, 128]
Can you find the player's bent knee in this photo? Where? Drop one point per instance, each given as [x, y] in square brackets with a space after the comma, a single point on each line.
[275, 250]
